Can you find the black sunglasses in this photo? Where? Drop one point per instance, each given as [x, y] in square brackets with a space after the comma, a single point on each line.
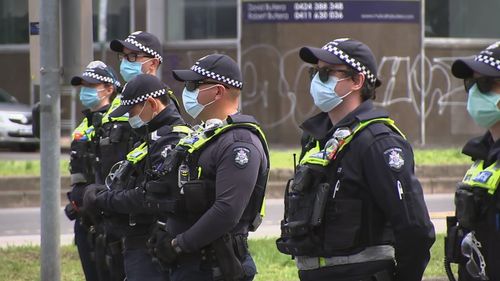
[325, 72]
[484, 84]
[193, 85]
[132, 57]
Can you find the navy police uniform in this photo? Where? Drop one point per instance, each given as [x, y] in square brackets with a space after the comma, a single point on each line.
[222, 169]
[473, 234]
[96, 144]
[354, 209]
[375, 206]
[124, 203]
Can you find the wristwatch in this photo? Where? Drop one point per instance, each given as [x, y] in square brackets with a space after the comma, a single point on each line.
[176, 246]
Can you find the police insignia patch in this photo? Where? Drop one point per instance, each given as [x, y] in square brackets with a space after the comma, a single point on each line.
[241, 157]
[394, 158]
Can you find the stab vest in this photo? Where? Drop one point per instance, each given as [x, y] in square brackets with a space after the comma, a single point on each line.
[194, 144]
[316, 224]
[475, 194]
[103, 135]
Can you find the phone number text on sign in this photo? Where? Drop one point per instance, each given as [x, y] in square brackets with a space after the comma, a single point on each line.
[318, 11]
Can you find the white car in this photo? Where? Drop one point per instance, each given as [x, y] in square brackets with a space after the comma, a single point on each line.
[16, 124]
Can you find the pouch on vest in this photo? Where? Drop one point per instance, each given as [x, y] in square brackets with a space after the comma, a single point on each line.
[198, 195]
[471, 205]
[161, 194]
[453, 241]
[305, 200]
[342, 224]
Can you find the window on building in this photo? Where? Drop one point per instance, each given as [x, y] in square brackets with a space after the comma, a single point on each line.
[14, 22]
[201, 19]
[462, 18]
[117, 21]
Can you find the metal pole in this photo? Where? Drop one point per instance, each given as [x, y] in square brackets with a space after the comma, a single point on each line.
[422, 72]
[50, 115]
[103, 11]
[239, 27]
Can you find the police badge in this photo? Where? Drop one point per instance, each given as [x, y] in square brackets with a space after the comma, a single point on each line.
[394, 158]
[241, 157]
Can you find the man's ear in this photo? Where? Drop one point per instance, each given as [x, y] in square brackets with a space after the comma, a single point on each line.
[221, 91]
[358, 80]
[153, 104]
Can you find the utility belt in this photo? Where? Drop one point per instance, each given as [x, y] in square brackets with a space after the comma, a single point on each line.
[224, 257]
[374, 253]
[108, 257]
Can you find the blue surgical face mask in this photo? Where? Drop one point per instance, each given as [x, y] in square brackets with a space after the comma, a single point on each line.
[129, 70]
[89, 97]
[190, 101]
[135, 121]
[483, 107]
[324, 95]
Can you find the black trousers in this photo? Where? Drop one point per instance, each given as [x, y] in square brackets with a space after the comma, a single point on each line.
[85, 252]
[368, 271]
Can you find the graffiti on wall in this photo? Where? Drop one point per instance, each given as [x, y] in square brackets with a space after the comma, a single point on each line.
[441, 89]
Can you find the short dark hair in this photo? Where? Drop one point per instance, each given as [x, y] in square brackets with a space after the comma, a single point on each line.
[165, 99]
[367, 90]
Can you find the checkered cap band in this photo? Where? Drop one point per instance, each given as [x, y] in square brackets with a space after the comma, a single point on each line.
[491, 61]
[101, 78]
[221, 78]
[131, 39]
[142, 98]
[332, 48]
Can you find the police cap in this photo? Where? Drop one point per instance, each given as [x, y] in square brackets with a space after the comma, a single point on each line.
[487, 63]
[346, 51]
[217, 67]
[139, 41]
[138, 90]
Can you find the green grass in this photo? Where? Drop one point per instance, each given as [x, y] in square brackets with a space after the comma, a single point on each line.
[284, 158]
[281, 159]
[22, 263]
[27, 167]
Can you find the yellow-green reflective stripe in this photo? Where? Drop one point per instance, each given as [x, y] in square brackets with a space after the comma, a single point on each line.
[138, 153]
[84, 130]
[182, 129]
[364, 124]
[311, 157]
[114, 105]
[263, 207]
[199, 171]
[478, 176]
[321, 261]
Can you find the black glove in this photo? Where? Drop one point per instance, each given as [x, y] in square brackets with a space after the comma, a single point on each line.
[90, 197]
[160, 246]
[76, 194]
[70, 211]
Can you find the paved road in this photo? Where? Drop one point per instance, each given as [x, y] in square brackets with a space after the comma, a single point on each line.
[22, 225]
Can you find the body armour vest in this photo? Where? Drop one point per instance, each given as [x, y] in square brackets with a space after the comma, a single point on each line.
[475, 194]
[194, 193]
[312, 224]
[97, 143]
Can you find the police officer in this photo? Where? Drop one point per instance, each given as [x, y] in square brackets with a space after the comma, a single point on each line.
[154, 116]
[139, 53]
[354, 210]
[474, 234]
[222, 173]
[97, 143]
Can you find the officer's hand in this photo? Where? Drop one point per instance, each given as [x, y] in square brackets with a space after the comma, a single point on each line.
[76, 194]
[70, 211]
[160, 246]
[90, 196]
